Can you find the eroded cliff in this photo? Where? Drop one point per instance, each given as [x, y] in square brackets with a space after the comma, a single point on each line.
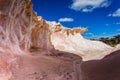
[23, 38]
[20, 28]
[71, 40]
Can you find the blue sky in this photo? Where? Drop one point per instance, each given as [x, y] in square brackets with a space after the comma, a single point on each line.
[101, 17]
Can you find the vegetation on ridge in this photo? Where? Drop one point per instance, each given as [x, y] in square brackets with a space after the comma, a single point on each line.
[113, 41]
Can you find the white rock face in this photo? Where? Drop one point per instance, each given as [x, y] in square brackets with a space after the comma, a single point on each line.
[70, 41]
[117, 47]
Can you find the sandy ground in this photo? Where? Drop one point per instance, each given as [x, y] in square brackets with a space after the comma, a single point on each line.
[26, 67]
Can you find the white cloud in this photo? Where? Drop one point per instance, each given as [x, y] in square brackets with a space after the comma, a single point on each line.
[116, 13]
[66, 19]
[89, 5]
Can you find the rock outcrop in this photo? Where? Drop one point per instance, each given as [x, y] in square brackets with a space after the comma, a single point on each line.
[71, 40]
[26, 52]
[20, 28]
[34, 49]
[117, 47]
[23, 31]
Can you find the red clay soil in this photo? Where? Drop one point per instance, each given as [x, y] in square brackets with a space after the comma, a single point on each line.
[64, 66]
[106, 69]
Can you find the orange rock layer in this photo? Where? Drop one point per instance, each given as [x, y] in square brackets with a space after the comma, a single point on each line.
[22, 30]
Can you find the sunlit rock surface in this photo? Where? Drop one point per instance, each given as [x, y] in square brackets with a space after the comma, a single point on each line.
[28, 46]
[117, 47]
[71, 40]
[26, 51]
[20, 28]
